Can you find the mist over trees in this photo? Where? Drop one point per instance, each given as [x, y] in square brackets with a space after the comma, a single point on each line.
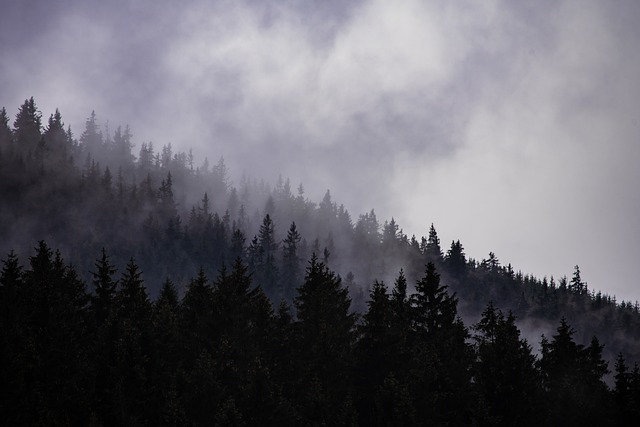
[145, 287]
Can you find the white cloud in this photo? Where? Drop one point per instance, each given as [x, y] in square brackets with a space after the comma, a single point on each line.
[545, 158]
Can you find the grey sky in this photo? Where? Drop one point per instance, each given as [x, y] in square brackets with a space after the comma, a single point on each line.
[512, 128]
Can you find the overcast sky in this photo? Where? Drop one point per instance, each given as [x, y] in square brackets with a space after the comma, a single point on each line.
[512, 126]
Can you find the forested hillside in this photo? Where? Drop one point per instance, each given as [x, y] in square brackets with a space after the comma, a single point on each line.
[149, 288]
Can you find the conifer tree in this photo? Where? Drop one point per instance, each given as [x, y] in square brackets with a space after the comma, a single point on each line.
[577, 285]
[196, 316]
[165, 373]
[401, 324]
[455, 261]
[103, 300]
[132, 352]
[15, 362]
[325, 334]
[441, 353]
[122, 148]
[45, 344]
[572, 378]
[91, 139]
[432, 249]
[290, 260]
[55, 135]
[505, 377]
[374, 350]
[622, 391]
[6, 136]
[27, 126]
[267, 273]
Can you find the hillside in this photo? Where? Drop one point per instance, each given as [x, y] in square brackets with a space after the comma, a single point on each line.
[168, 226]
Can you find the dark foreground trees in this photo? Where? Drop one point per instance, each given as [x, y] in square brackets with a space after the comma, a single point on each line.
[221, 355]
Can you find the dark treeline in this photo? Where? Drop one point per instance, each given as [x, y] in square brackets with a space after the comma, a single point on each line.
[180, 220]
[222, 355]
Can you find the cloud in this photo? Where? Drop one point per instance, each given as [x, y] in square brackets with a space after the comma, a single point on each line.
[546, 172]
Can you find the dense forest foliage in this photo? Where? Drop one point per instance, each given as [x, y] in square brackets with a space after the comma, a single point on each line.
[189, 300]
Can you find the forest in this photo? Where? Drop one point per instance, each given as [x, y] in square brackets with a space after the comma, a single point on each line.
[150, 289]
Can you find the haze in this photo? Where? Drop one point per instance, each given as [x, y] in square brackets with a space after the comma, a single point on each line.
[511, 127]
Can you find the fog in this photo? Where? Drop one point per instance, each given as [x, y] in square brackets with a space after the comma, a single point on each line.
[512, 128]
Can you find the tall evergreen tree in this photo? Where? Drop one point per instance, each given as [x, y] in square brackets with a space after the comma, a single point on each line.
[196, 315]
[28, 126]
[267, 273]
[290, 260]
[6, 136]
[374, 351]
[442, 357]
[455, 261]
[622, 392]
[325, 334]
[54, 133]
[132, 326]
[91, 140]
[14, 366]
[103, 299]
[165, 373]
[505, 376]
[572, 377]
[432, 249]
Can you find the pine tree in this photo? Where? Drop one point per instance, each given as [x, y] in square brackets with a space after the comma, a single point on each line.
[107, 390]
[122, 148]
[15, 312]
[267, 274]
[6, 137]
[165, 374]
[572, 378]
[325, 334]
[27, 127]
[244, 325]
[442, 357]
[455, 261]
[132, 350]
[577, 285]
[374, 350]
[505, 376]
[44, 307]
[91, 139]
[196, 316]
[622, 391]
[103, 300]
[432, 249]
[290, 260]
[401, 324]
[55, 135]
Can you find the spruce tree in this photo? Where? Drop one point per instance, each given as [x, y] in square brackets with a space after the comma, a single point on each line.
[505, 377]
[290, 260]
[165, 373]
[6, 136]
[572, 378]
[455, 262]
[27, 127]
[442, 357]
[267, 272]
[432, 249]
[132, 352]
[324, 339]
[103, 300]
[374, 351]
